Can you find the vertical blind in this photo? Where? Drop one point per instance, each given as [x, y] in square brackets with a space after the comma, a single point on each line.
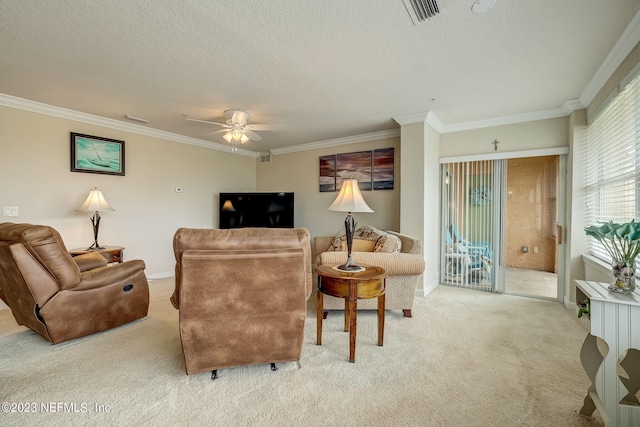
[613, 161]
[468, 226]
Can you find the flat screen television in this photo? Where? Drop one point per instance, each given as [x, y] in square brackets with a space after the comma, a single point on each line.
[238, 210]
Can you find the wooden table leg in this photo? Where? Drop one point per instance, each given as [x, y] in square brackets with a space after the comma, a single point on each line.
[353, 312]
[381, 306]
[346, 314]
[319, 316]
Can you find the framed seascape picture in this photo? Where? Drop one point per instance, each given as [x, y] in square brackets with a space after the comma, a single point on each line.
[328, 173]
[94, 154]
[354, 165]
[373, 169]
[383, 169]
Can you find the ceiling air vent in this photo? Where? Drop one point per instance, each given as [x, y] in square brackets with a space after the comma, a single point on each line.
[421, 10]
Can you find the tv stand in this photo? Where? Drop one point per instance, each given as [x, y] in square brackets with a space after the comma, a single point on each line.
[614, 319]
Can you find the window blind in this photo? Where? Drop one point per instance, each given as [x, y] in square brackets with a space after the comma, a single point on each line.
[613, 161]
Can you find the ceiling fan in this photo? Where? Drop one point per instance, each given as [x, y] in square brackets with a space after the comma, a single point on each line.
[237, 128]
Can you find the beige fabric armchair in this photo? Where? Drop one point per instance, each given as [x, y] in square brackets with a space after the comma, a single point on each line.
[60, 297]
[403, 270]
[242, 295]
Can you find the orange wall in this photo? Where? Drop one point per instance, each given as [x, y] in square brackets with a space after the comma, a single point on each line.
[531, 212]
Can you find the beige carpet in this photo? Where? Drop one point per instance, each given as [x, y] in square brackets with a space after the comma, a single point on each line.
[466, 358]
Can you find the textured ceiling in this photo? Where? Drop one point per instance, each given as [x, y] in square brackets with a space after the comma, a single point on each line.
[326, 69]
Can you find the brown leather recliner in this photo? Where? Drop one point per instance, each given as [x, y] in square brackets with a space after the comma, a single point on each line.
[60, 297]
[242, 295]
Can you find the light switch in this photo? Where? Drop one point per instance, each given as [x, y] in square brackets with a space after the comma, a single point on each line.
[10, 211]
[177, 189]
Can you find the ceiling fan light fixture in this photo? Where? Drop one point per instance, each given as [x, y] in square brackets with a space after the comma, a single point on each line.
[244, 138]
[228, 137]
[236, 134]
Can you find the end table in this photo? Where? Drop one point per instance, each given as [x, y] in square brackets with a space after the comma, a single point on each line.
[351, 286]
[113, 254]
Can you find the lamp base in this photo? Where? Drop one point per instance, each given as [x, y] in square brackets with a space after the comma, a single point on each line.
[95, 221]
[350, 266]
[95, 247]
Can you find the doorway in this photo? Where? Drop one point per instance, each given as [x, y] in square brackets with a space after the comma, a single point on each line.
[501, 222]
[531, 227]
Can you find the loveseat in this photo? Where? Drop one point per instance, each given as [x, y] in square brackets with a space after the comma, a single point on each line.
[60, 297]
[400, 255]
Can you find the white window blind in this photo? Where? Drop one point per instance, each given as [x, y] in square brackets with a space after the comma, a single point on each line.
[613, 161]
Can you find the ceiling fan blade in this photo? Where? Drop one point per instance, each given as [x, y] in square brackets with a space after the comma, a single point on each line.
[252, 135]
[205, 121]
[265, 127]
[218, 131]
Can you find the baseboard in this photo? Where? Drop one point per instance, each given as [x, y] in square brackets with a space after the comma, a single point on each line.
[426, 291]
[158, 276]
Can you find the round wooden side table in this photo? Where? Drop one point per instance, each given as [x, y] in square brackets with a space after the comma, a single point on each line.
[352, 286]
[113, 254]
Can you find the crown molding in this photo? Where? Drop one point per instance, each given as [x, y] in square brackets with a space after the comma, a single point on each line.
[433, 120]
[428, 117]
[412, 118]
[628, 40]
[373, 136]
[50, 110]
[563, 111]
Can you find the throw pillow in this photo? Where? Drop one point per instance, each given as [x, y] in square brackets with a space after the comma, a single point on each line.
[336, 243]
[388, 243]
[359, 245]
[367, 239]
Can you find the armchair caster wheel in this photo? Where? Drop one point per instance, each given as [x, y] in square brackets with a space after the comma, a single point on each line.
[273, 367]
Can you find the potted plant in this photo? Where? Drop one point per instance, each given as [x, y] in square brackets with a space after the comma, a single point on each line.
[622, 242]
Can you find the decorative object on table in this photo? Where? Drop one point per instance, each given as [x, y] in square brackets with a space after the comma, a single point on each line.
[622, 242]
[480, 195]
[95, 203]
[94, 154]
[585, 307]
[350, 200]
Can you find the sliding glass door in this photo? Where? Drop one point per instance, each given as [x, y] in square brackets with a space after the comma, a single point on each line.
[472, 204]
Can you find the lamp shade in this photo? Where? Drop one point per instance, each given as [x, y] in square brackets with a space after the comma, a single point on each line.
[350, 199]
[95, 202]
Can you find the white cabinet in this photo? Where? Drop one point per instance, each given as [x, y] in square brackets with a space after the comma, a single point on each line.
[615, 371]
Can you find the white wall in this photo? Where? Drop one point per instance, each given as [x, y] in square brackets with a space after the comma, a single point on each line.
[299, 172]
[35, 176]
[533, 135]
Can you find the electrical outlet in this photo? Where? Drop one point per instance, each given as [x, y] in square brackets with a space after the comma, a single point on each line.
[535, 250]
[177, 189]
[10, 211]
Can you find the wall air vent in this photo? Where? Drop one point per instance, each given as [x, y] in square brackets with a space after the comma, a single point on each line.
[265, 158]
[421, 10]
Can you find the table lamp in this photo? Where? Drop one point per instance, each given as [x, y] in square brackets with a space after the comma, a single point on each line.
[350, 200]
[95, 203]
